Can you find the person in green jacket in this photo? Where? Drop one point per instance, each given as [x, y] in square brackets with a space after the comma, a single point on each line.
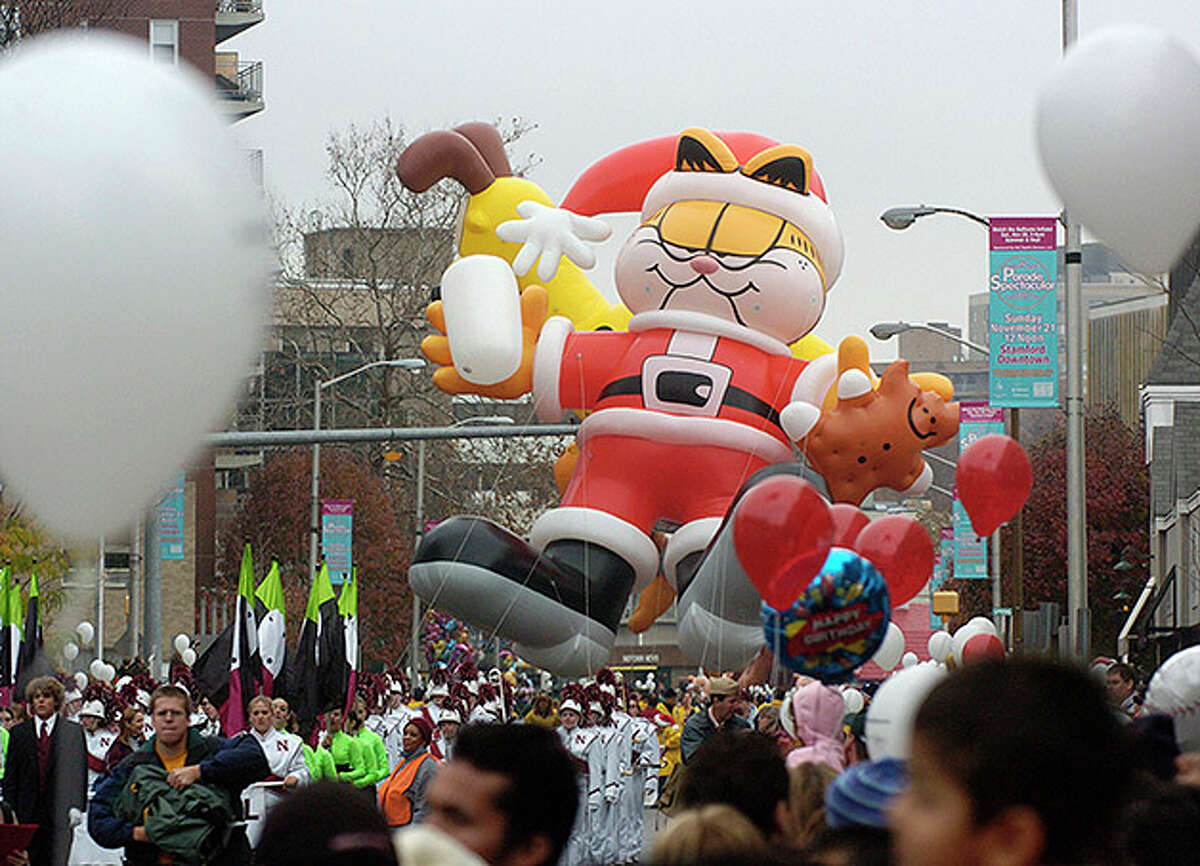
[347, 756]
[370, 742]
[319, 763]
[3, 748]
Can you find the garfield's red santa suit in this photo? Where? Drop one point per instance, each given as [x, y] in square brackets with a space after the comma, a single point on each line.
[730, 264]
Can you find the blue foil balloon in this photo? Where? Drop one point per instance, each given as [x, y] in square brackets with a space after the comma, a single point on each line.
[837, 623]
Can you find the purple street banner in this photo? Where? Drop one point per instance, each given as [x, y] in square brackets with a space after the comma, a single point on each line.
[172, 519]
[337, 537]
[975, 420]
[1023, 312]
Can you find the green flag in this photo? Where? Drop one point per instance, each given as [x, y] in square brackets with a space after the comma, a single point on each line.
[14, 611]
[272, 630]
[304, 688]
[246, 578]
[321, 592]
[348, 610]
[348, 600]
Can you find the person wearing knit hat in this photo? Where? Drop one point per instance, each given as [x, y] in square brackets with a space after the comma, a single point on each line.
[862, 794]
[402, 793]
[720, 715]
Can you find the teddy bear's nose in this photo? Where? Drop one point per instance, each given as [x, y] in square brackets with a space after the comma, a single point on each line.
[704, 265]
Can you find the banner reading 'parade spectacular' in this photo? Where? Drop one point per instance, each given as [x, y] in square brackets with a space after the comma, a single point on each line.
[1023, 312]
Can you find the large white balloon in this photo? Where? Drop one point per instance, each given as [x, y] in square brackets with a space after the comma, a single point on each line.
[889, 652]
[70, 651]
[1174, 690]
[853, 700]
[983, 624]
[81, 680]
[939, 645]
[108, 672]
[890, 716]
[182, 642]
[86, 632]
[908, 659]
[1118, 123]
[135, 261]
[188, 656]
[96, 669]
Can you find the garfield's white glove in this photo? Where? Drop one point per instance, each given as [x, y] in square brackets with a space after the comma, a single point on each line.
[548, 233]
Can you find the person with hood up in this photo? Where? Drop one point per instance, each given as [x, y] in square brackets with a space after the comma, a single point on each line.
[815, 714]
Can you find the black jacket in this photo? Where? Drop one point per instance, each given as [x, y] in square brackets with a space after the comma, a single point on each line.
[699, 727]
[230, 764]
[66, 786]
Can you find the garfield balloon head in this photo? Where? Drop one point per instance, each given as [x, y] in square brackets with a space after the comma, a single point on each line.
[754, 244]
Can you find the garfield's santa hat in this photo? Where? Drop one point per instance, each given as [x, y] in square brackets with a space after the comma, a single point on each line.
[736, 167]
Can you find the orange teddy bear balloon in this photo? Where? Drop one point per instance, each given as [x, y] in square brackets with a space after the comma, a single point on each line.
[873, 437]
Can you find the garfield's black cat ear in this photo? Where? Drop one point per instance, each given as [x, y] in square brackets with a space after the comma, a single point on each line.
[784, 165]
[700, 150]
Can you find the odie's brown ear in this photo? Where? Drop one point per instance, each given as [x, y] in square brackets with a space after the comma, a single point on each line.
[490, 145]
[444, 154]
[700, 150]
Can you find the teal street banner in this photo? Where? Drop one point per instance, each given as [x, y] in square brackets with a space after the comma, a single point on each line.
[172, 519]
[975, 420]
[1023, 312]
[337, 537]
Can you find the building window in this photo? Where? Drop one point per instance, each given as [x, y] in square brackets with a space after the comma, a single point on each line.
[164, 42]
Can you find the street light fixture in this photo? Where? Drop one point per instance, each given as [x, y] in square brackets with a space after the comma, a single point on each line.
[900, 218]
[887, 330]
[315, 509]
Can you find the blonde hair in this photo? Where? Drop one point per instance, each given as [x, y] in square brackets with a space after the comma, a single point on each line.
[708, 833]
[806, 800]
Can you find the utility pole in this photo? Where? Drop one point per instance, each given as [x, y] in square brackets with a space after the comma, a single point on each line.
[1078, 619]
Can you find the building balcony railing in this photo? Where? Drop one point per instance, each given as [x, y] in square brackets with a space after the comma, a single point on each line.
[234, 16]
[243, 94]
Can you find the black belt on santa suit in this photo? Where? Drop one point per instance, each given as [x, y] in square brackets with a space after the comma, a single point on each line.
[682, 390]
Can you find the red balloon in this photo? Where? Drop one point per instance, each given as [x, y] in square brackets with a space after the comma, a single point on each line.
[980, 647]
[994, 478]
[902, 551]
[848, 522]
[782, 532]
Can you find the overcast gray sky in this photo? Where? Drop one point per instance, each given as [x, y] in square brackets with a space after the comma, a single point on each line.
[899, 103]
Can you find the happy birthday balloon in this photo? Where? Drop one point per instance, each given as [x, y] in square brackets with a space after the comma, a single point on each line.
[836, 625]
[994, 477]
[781, 533]
[900, 548]
[136, 265]
[848, 521]
[1117, 126]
